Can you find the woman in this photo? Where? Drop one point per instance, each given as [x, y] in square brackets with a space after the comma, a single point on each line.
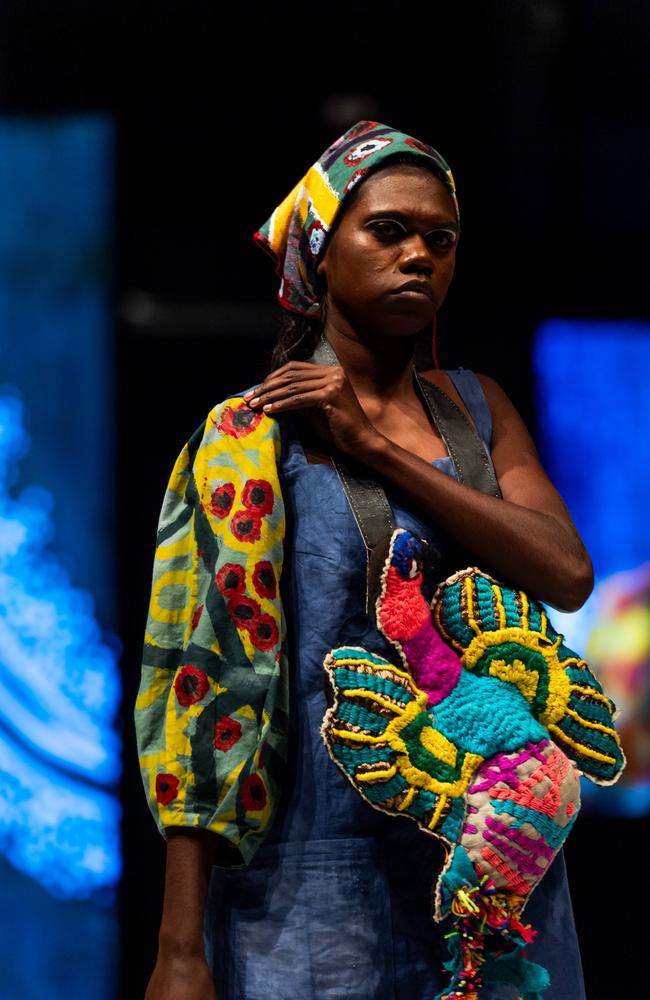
[336, 901]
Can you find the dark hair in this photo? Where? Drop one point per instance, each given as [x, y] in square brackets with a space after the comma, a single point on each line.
[297, 335]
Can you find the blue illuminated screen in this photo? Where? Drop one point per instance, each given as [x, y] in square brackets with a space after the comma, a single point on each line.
[59, 681]
[593, 408]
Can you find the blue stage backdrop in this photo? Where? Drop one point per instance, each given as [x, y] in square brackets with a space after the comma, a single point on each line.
[59, 683]
[593, 406]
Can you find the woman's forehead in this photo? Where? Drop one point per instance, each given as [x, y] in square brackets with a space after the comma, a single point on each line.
[404, 188]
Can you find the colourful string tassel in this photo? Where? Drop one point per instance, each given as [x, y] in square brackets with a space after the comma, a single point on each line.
[488, 940]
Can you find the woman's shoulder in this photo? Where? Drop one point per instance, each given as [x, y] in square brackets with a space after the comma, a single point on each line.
[457, 381]
[470, 391]
[448, 377]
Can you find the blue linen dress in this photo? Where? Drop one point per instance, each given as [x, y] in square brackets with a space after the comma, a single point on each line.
[337, 901]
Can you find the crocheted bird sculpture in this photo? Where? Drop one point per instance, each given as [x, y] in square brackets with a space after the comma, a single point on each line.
[479, 735]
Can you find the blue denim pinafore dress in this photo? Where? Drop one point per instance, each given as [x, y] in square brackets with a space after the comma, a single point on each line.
[336, 904]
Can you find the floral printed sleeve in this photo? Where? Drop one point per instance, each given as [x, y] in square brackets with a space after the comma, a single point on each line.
[211, 711]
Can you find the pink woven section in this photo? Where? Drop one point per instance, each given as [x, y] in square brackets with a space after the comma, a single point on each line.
[434, 665]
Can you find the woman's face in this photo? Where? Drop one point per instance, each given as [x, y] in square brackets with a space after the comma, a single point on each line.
[400, 229]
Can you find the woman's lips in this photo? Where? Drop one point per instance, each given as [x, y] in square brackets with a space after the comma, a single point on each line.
[415, 289]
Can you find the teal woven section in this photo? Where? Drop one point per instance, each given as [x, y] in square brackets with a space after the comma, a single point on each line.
[486, 604]
[594, 711]
[357, 715]
[350, 653]
[452, 616]
[513, 618]
[583, 677]
[351, 757]
[535, 617]
[382, 790]
[371, 682]
[453, 822]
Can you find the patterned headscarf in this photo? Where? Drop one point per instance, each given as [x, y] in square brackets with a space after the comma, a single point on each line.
[295, 233]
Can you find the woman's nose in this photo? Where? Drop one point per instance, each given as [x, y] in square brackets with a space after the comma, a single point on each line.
[416, 252]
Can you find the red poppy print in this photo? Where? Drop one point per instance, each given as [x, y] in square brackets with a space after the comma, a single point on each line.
[196, 616]
[191, 685]
[231, 580]
[239, 420]
[222, 500]
[246, 525]
[166, 788]
[245, 611]
[264, 632]
[253, 793]
[264, 579]
[226, 733]
[257, 496]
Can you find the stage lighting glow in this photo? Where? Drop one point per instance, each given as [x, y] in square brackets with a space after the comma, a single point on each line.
[59, 678]
[58, 697]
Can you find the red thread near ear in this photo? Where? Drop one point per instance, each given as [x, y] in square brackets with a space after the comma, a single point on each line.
[433, 342]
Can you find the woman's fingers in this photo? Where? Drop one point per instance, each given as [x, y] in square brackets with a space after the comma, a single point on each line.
[294, 372]
[303, 397]
[289, 391]
[326, 391]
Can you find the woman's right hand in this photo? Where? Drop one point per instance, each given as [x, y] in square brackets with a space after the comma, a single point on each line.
[181, 978]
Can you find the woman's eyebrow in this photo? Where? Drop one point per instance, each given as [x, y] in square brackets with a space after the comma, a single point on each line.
[407, 217]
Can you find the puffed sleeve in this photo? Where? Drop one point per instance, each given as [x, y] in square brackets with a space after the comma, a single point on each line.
[212, 707]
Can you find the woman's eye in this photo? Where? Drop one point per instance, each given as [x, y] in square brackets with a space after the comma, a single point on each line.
[442, 239]
[387, 229]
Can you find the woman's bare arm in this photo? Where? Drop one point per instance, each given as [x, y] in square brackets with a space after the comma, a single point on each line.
[181, 971]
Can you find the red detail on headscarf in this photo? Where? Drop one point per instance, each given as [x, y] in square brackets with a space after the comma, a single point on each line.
[354, 180]
[423, 147]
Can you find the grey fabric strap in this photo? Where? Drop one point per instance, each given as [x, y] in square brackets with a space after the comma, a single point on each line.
[367, 498]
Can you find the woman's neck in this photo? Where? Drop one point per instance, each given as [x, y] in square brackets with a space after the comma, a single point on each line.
[381, 368]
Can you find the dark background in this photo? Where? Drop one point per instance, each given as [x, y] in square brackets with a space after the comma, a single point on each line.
[539, 107]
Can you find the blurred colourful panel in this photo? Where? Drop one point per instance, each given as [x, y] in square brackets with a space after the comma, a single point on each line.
[593, 406]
